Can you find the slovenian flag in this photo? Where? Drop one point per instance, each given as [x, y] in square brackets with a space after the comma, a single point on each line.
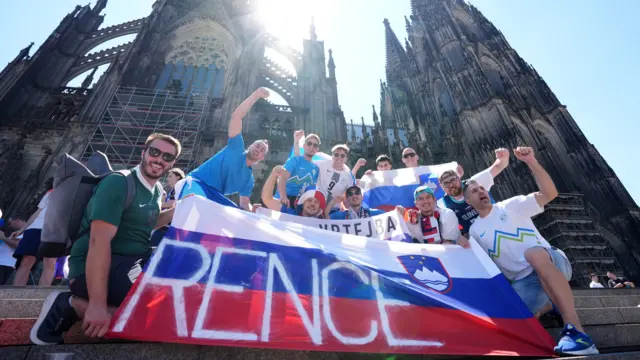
[387, 189]
[227, 277]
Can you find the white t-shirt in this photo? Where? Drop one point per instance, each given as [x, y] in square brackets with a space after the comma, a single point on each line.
[6, 254]
[39, 221]
[596, 285]
[333, 182]
[431, 232]
[507, 232]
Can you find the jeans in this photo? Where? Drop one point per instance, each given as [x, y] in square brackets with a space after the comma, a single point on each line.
[530, 288]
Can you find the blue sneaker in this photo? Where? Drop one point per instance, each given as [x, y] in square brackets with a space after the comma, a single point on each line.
[574, 342]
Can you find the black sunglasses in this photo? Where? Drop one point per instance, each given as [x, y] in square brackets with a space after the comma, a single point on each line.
[354, 192]
[155, 152]
[341, 156]
[312, 144]
[406, 156]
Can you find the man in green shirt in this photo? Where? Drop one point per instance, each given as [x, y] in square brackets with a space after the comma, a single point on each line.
[106, 261]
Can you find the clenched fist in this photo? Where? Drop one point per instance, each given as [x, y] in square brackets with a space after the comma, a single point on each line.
[524, 154]
[261, 93]
[278, 170]
[502, 154]
[298, 134]
[361, 162]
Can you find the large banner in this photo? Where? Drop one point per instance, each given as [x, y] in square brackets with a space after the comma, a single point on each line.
[387, 189]
[388, 226]
[223, 276]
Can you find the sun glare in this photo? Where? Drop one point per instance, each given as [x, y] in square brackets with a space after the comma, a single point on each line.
[289, 20]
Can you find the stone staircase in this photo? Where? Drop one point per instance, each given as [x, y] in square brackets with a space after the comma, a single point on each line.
[611, 317]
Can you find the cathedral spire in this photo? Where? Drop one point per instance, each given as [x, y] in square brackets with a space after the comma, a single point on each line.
[396, 56]
[24, 53]
[89, 79]
[376, 121]
[407, 24]
[331, 65]
[312, 31]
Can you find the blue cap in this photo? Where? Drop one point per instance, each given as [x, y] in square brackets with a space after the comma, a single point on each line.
[424, 189]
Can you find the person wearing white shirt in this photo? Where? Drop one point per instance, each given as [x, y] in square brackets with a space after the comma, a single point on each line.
[595, 282]
[27, 250]
[334, 177]
[539, 273]
[7, 248]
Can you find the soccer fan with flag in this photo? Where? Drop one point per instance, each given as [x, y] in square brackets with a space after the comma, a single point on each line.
[410, 158]
[355, 208]
[430, 224]
[299, 172]
[452, 185]
[539, 273]
[310, 204]
[229, 171]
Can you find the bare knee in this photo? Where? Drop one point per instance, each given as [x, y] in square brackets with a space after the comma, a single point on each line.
[538, 257]
[27, 262]
[49, 262]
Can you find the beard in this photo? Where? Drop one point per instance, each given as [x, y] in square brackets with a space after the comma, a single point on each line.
[150, 171]
[455, 192]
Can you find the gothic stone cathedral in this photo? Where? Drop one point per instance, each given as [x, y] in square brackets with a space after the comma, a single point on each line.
[455, 91]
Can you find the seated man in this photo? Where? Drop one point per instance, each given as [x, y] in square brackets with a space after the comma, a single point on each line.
[595, 282]
[229, 171]
[430, 224]
[310, 204]
[538, 272]
[299, 172]
[107, 260]
[355, 208]
[452, 186]
[616, 282]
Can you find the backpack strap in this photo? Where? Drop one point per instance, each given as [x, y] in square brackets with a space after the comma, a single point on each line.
[131, 187]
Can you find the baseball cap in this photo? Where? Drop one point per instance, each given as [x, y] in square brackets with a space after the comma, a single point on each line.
[424, 189]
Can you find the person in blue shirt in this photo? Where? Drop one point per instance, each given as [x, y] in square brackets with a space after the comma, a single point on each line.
[452, 186]
[310, 204]
[229, 171]
[355, 208]
[299, 172]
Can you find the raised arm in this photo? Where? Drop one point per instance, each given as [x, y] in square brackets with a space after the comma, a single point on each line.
[267, 190]
[297, 135]
[336, 200]
[360, 163]
[501, 163]
[235, 126]
[547, 188]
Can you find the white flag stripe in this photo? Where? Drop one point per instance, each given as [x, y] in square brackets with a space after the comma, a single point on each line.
[402, 177]
[231, 222]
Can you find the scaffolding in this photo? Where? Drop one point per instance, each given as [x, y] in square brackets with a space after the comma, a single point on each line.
[135, 113]
[567, 225]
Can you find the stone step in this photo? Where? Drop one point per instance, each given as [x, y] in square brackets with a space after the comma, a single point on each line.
[613, 336]
[28, 292]
[607, 301]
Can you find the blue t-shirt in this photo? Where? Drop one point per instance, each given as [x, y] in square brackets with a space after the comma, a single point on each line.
[227, 171]
[342, 215]
[302, 173]
[287, 210]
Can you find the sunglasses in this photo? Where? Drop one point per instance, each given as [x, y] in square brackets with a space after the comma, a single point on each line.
[341, 156]
[354, 192]
[155, 152]
[406, 156]
[312, 144]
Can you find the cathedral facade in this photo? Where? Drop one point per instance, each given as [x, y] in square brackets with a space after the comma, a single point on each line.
[457, 90]
[191, 63]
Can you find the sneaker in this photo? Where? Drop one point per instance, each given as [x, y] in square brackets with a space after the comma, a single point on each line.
[56, 317]
[574, 342]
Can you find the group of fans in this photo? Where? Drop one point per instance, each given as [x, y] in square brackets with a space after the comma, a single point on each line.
[105, 262]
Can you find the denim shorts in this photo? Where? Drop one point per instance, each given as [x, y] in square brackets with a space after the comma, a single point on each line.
[530, 289]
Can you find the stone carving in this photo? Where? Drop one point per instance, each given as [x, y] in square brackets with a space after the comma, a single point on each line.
[201, 50]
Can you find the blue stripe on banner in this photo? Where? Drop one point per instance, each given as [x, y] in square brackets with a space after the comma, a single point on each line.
[483, 297]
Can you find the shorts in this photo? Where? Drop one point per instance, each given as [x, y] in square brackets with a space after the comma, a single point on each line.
[530, 289]
[123, 273]
[5, 274]
[193, 186]
[28, 245]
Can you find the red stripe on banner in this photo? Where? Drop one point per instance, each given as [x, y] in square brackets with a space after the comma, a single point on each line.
[154, 319]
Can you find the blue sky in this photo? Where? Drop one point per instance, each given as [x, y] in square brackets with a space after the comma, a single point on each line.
[588, 54]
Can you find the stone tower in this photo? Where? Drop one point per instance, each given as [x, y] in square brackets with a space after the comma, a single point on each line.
[460, 91]
[191, 63]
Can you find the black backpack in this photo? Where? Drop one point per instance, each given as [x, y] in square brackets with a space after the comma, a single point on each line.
[73, 186]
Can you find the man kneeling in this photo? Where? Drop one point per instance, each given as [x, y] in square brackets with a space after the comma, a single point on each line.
[538, 272]
[106, 261]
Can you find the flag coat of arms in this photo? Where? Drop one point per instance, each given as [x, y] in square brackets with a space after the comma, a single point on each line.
[223, 276]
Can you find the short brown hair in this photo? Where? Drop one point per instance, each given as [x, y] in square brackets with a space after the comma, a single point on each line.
[448, 173]
[164, 137]
[177, 172]
[340, 147]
